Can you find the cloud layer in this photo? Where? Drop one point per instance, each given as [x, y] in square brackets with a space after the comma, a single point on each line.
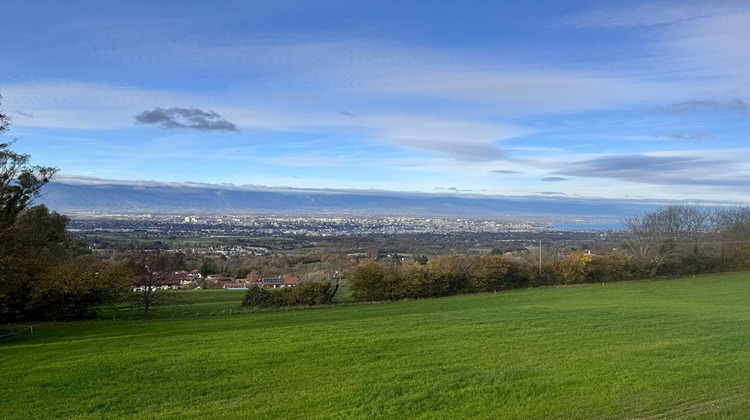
[683, 170]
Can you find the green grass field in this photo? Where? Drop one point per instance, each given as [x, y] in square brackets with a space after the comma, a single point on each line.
[195, 303]
[656, 350]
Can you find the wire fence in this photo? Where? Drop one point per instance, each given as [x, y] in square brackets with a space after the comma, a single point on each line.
[29, 328]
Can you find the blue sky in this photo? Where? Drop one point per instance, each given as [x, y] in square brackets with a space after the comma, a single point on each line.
[583, 99]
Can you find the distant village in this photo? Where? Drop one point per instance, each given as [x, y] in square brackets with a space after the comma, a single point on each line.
[182, 279]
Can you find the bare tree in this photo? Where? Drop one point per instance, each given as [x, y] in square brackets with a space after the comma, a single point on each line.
[660, 234]
[152, 288]
[733, 231]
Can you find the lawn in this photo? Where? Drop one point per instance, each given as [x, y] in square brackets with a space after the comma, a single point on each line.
[655, 350]
[194, 303]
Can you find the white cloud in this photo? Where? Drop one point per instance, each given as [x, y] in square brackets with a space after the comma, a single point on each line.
[329, 73]
[648, 14]
[83, 105]
[720, 45]
[101, 106]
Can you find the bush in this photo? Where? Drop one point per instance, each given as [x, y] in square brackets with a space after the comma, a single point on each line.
[370, 281]
[493, 273]
[445, 275]
[310, 293]
[610, 268]
[258, 297]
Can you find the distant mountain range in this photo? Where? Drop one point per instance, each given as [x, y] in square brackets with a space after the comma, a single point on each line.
[80, 195]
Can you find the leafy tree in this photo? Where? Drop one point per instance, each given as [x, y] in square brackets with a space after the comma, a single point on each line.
[73, 288]
[20, 182]
[31, 238]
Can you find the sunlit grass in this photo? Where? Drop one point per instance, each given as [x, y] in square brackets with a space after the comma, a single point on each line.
[667, 349]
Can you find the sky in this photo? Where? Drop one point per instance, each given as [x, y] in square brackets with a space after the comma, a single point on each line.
[605, 99]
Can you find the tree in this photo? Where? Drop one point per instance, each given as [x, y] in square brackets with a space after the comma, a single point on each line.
[658, 235]
[151, 283]
[20, 182]
[73, 288]
[31, 238]
[421, 259]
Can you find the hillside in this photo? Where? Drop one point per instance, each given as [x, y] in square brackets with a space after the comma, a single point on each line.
[147, 197]
[668, 349]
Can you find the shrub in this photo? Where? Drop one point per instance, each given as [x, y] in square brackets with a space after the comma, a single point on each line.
[258, 297]
[492, 273]
[311, 293]
[371, 281]
[451, 274]
[610, 268]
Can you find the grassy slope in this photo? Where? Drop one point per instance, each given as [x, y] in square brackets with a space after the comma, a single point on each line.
[195, 303]
[670, 349]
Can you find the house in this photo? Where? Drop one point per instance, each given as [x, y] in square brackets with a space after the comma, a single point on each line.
[217, 281]
[158, 281]
[278, 282]
[185, 277]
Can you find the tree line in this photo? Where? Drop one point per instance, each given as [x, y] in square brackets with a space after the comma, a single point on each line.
[672, 240]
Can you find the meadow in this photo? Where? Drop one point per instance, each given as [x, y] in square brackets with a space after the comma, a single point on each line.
[650, 350]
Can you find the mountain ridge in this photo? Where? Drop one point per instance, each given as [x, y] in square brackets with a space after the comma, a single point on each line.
[156, 197]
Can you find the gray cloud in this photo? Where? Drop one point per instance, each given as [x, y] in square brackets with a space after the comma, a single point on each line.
[504, 171]
[659, 170]
[453, 189]
[551, 193]
[23, 114]
[695, 105]
[698, 135]
[554, 179]
[347, 113]
[189, 118]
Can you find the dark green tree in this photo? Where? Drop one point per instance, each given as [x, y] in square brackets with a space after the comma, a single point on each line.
[32, 240]
[20, 182]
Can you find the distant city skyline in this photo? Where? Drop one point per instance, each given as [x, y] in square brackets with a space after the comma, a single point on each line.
[643, 100]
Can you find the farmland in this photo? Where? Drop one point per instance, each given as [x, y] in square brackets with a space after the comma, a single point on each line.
[663, 349]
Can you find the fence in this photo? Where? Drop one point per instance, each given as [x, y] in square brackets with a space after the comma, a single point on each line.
[29, 328]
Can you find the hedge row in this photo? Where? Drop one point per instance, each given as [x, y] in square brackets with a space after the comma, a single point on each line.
[304, 294]
[448, 275]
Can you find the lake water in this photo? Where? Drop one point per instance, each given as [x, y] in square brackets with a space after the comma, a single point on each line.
[588, 226]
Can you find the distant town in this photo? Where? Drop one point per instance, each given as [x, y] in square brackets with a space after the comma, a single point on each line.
[244, 235]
